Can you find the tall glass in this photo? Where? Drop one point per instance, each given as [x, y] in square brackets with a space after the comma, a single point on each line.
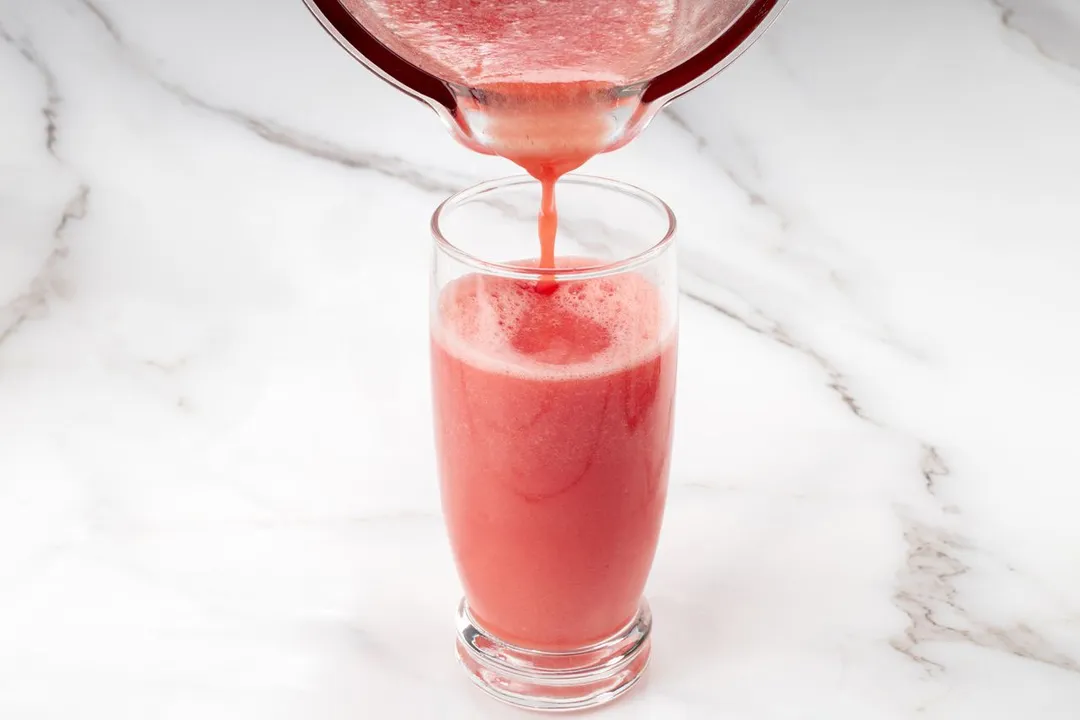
[553, 401]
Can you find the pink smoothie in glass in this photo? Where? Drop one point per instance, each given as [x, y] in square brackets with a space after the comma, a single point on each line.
[553, 417]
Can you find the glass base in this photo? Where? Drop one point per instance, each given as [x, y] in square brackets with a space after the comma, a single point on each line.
[572, 680]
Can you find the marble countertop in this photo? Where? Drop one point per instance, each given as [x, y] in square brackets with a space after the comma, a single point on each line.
[218, 501]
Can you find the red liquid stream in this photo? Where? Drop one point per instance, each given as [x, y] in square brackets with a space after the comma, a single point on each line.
[548, 222]
[548, 129]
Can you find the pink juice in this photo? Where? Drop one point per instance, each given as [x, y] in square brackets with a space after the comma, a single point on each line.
[553, 415]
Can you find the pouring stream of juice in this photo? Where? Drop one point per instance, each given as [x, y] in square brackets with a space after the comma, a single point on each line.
[547, 84]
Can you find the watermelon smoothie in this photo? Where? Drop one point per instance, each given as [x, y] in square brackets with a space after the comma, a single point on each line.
[553, 413]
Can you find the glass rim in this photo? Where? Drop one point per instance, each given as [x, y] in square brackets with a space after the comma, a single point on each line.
[525, 273]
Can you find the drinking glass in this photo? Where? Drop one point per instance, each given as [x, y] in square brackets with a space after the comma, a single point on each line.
[553, 404]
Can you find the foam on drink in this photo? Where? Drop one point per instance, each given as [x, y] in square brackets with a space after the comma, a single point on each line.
[582, 328]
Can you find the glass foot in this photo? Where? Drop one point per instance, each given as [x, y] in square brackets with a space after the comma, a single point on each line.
[572, 680]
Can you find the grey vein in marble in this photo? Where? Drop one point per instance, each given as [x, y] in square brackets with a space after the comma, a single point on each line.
[760, 323]
[1053, 32]
[753, 195]
[52, 93]
[933, 468]
[47, 281]
[105, 20]
[926, 588]
[926, 593]
[757, 198]
[390, 166]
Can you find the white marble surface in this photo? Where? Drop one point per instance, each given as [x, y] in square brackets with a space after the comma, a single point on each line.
[217, 502]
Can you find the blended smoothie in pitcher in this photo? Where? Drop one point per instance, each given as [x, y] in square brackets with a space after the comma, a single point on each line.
[553, 413]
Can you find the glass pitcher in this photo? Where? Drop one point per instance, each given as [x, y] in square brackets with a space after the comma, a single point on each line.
[546, 77]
